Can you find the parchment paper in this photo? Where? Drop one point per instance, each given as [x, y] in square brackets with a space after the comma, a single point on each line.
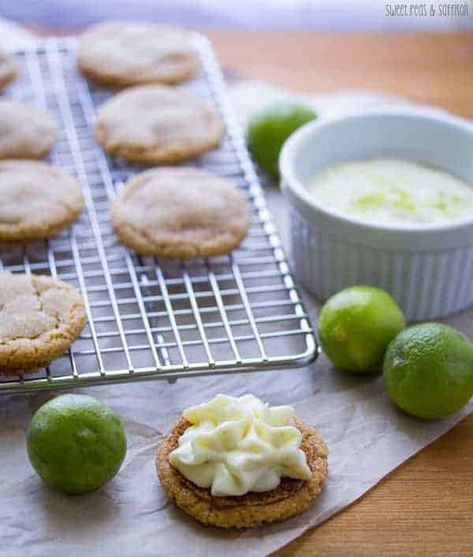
[367, 438]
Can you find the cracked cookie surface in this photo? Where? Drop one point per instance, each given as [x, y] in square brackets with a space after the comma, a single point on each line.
[179, 213]
[8, 69]
[39, 319]
[157, 124]
[121, 54]
[291, 497]
[36, 201]
[26, 132]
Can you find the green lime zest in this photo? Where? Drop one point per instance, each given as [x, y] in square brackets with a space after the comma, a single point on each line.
[369, 201]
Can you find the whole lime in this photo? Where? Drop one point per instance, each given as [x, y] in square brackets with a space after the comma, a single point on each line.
[428, 370]
[356, 325]
[76, 443]
[269, 128]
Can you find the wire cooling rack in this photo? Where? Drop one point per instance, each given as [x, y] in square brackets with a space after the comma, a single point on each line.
[150, 318]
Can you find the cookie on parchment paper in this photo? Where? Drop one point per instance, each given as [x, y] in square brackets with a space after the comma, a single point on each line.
[157, 124]
[120, 54]
[39, 319]
[291, 497]
[180, 213]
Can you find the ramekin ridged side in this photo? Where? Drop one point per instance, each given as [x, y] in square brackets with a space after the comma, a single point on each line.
[426, 284]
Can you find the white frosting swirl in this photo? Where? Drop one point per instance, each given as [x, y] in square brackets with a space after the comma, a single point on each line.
[238, 445]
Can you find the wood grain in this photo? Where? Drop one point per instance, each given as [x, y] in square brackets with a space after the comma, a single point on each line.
[425, 508]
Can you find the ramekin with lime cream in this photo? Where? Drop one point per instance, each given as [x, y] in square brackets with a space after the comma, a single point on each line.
[426, 266]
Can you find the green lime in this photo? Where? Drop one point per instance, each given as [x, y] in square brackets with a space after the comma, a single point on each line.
[428, 370]
[76, 443]
[270, 127]
[356, 325]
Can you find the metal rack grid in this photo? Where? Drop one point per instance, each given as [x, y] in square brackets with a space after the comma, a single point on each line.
[151, 318]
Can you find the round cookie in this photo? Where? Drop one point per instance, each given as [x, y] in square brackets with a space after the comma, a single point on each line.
[8, 69]
[120, 54]
[26, 132]
[36, 201]
[180, 213]
[157, 124]
[253, 509]
[39, 319]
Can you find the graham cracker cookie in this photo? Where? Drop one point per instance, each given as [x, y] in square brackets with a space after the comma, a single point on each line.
[120, 54]
[26, 132]
[157, 124]
[39, 319]
[8, 69]
[180, 213]
[291, 497]
[36, 201]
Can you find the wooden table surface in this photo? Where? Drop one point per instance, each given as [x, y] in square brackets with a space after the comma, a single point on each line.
[425, 508]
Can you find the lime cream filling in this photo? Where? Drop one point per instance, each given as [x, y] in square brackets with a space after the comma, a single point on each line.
[238, 445]
[392, 191]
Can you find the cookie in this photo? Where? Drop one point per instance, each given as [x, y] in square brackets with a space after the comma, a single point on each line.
[26, 132]
[39, 319]
[157, 124]
[180, 213]
[8, 69]
[291, 497]
[121, 54]
[36, 201]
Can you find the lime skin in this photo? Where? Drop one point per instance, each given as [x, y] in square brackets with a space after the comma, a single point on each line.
[428, 370]
[356, 326]
[270, 127]
[76, 443]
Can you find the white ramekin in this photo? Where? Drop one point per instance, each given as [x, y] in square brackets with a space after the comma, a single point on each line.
[428, 270]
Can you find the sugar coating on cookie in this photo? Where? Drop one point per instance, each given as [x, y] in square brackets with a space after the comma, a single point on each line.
[36, 201]
[8, 69]
[39, 319]
[26, 132]
[290, 496]
[180, 213]
[157, 124]
[122, 54]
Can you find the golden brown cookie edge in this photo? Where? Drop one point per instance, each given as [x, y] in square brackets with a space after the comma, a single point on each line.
[136, 239]
[253, 509]
[40, 151]
[26, 233]
[160, 154]
[28, 357]
[116, 80]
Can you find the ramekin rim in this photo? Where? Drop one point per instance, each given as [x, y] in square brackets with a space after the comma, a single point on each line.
[298, 189]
